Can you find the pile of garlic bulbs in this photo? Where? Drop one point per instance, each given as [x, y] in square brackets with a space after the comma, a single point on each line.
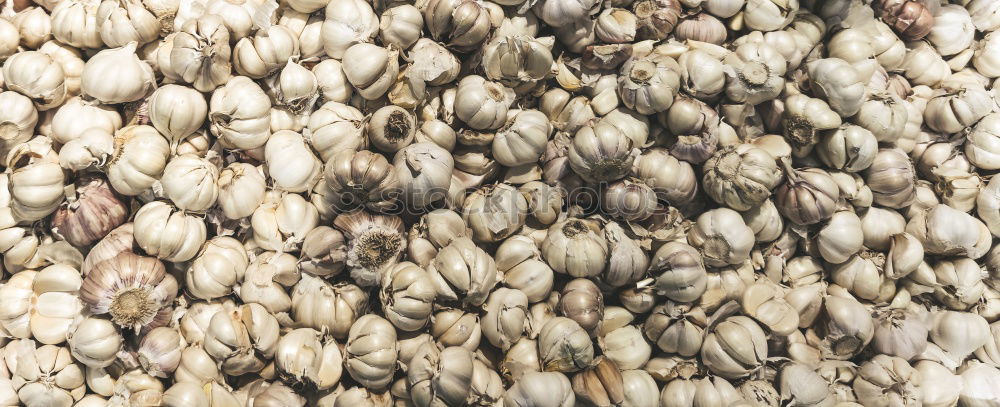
[517, 203]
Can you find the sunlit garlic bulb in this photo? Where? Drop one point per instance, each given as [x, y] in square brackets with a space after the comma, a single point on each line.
[131, 288]
[375, 242]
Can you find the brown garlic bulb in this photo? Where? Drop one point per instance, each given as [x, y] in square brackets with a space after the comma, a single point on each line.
[582, 302]
[95, 211]
[656, 18]
[362, 179]
[910, 18]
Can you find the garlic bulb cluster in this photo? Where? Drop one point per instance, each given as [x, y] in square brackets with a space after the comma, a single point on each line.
[546, 203]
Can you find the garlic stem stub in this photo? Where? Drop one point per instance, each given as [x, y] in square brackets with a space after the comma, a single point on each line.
[546, 203]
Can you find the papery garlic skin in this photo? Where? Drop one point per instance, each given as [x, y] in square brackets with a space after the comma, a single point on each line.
[239, 113]
[534, 388]
[94, 342]
[754, 72]
[177, 111]
[203, 70]
[18, 120]
[482, 104]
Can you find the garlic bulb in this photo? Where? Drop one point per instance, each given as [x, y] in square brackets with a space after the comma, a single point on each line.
[265, 53]
[94, 212]
[576, 247]
[305, 355]
[841, 237]
[656, 18]
[75, 23]
[648, 84]
[481, 104]
[241, 189]
[837, 82]
[160, 351]
[177, 112]
[901, 333]
[201, 53]
[313, 299]
[123, 21]
[133, 289]
[463, 271]
[731, 361]
[375, 243]
[517, 60]
[440, 376]
[454, 327]
[959, 333]
[953, 111]
[18, 121]
[850, 148]
[362, 179]
[242, 338]
[290, 163]
[673, 180]
[407, 294]
[702, 74]
[323, 252]
[266, 280]
[740, 177]
[679, 272]
[191, 182]
[626, 347]
[407, 28]
[347, 23]
[37, 76]
[35, 179]
[522, 138]
[891, 178]
[371, 69]
[884, 115]
[239, 113]
[424, 172]
[848, 328]
[755, 73]
[391, 128]
[494, 213]
[808, 196]
[218, 267]
[163, 231]
[47, 373]
[563, 346]
[75, 117]
[370, 354]
[540, 389]
[953, 30]
[601, 152]
[947, 231]
[804, 118]
[722, 237]
[94, 342]
[911, 19]
[134, 78]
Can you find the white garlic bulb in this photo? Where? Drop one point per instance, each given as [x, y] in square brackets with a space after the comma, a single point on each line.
[134, 77]
[163, 231]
